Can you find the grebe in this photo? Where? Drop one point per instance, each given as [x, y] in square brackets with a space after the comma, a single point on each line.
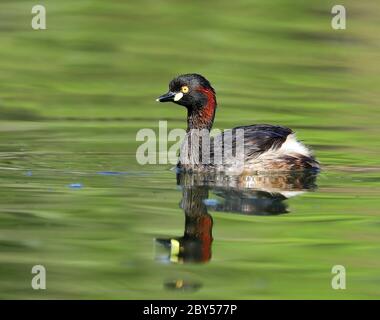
[266, 147]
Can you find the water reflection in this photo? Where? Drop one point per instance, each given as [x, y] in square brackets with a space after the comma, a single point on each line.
[245, 194]
[182, 285]
[195, 244]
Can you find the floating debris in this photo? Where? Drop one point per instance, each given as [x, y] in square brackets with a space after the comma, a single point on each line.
[111, 173]
[75, 185]
[182, 285]
[210, 202]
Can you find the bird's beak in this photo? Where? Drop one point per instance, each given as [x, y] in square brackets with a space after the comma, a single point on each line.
[170, 96]
[166, 97]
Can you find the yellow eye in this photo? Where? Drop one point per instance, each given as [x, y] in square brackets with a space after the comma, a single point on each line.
[185, 89]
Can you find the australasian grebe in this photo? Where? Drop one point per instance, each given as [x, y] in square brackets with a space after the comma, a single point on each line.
[266, 147]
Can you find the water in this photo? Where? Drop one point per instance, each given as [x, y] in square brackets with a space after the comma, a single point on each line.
[74, 199]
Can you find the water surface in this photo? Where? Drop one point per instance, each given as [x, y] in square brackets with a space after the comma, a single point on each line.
[74, 199]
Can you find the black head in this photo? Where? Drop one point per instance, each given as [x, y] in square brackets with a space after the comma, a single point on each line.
[190, 90]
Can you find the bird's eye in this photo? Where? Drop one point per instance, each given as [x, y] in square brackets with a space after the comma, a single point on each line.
[185, 89]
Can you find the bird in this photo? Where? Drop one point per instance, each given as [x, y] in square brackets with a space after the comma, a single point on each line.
[249, 148]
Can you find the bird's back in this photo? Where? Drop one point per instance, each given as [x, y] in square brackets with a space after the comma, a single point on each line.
[260, 147]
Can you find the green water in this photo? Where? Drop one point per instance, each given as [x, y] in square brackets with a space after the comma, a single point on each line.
[74, 199]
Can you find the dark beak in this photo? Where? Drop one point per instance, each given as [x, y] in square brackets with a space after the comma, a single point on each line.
[166, 97]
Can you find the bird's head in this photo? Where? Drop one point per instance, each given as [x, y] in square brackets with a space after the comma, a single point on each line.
[194, 92]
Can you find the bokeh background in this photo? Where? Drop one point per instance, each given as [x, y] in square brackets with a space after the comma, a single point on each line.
[72, 98]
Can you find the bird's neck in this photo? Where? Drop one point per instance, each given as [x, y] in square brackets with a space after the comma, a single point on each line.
[202, 117]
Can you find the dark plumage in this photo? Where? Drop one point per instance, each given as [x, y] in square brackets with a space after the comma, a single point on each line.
[266, 147]
[259, 138]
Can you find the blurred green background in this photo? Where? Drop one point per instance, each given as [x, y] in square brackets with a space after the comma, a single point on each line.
[72, 98]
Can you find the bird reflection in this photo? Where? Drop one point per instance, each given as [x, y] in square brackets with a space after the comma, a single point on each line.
[244, 194]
